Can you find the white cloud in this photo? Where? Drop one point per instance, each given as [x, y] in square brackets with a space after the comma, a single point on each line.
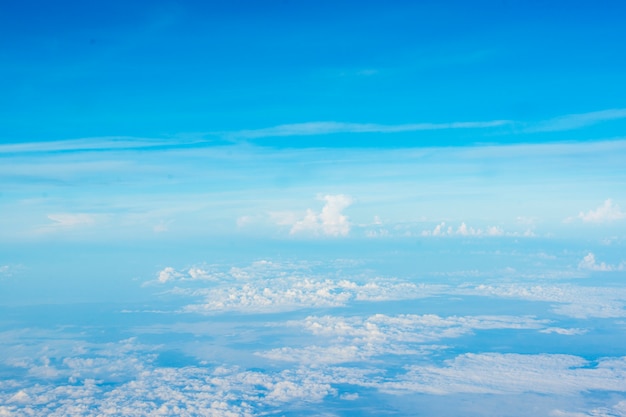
[168, 274]
[330, 221]
[615, 410]
[570, 300]
[243, 221]
[607, 212]
[349, 339]
[296, 292]
[68, 220]
[463, 230]
[562, 331]
[589, 263]
[493, 373]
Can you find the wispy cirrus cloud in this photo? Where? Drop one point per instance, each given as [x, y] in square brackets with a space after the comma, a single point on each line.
[331, 127]
[113, 143]
[69, 220]
[577, 121]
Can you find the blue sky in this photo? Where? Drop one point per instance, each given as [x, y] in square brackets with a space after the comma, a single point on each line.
[172, 69]
[260, 208]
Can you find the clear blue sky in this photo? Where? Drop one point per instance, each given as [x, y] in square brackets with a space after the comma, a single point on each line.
[76, 69]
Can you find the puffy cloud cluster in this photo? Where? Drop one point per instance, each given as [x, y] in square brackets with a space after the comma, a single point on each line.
[463, 230]
[190, 391]
[356, 338]
[266, 286]
[607, 212]
[168, 274]
[291, 293]
[123, 378]
[589, 263]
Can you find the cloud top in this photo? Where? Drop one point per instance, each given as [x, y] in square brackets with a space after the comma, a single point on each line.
[607, 212]
[330, 221]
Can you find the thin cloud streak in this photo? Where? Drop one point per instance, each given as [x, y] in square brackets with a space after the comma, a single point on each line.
[577, 121]
[327, 128]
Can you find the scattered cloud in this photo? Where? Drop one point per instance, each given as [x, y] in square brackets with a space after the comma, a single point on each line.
[69, 220]
[127, 382]
[169, 274]
[463, 230]
[589, 263]
[562, 331]
[607, 212]
[330, 221]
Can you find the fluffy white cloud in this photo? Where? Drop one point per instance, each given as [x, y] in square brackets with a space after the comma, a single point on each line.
[357, 339]
[330, 221]
[463, 230]
[607, 212]
[169, 274]
[589, 263]
[291, 293]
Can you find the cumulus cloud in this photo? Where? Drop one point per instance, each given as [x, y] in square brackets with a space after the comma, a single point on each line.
[607, 212]
[330, 221]
[462, 230]
[589, 263]
[189, 391]
[169, 274]
[349, 339]
[292, 293]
